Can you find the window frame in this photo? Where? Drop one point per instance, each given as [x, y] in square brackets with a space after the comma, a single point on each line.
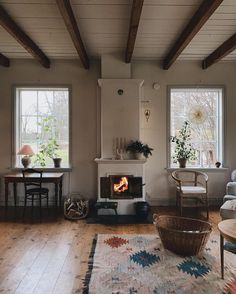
[14, 121]
[224, 127]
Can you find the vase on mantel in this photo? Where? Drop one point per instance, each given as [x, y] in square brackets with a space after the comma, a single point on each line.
[135, 155]
[182, 162]
[138, 155]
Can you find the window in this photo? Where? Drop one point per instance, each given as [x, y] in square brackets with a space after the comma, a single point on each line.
[202, 109]
[42, 121]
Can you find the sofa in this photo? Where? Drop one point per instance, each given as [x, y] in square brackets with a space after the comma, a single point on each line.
[228, 209]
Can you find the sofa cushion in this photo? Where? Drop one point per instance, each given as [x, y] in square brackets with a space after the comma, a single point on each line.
[228, 209]
[233, 175]
[229, 197]
[231, 188]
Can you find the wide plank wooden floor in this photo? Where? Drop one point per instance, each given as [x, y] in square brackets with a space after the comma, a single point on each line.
[51, 257]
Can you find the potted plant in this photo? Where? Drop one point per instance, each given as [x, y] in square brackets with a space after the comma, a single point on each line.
[137, 149]
[183, 148]
[48, 146]
[48, 150]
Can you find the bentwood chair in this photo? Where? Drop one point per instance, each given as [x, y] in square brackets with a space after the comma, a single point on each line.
[34, 190]
[191, 189]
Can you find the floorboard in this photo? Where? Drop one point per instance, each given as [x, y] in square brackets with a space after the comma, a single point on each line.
[51, 256]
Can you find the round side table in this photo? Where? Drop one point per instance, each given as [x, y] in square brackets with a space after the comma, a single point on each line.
[227, 230]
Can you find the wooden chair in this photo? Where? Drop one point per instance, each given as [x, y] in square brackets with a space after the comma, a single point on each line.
[191, 189]
[34, 190]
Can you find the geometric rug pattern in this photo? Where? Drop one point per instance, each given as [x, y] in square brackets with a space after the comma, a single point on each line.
[139, 264]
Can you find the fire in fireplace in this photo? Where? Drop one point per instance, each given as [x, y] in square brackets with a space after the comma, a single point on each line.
[121, 187]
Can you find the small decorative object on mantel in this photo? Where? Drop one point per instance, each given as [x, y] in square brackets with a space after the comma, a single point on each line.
[137, 149]
[183, 148]
[119, 148]
[218, 164]
[75, 207]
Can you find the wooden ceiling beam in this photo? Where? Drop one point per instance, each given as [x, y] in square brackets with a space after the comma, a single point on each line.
[20, 36]
[223, 50]
[72, 27]
[4, 61]
[203, 13]
[133, 28]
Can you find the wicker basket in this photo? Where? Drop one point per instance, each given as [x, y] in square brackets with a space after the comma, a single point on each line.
[75, 207]
[184, 236]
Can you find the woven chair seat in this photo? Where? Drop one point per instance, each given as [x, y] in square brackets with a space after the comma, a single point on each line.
[38, 191]
[192, 190]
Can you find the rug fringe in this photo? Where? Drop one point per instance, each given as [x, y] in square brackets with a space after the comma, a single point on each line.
[88, 275]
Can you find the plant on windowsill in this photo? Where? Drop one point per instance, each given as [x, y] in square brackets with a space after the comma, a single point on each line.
[184, 150]
[137, 149]
[48, 147]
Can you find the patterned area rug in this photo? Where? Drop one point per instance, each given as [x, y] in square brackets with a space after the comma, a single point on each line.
[139, 264]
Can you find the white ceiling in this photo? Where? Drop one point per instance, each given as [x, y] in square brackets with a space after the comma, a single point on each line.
[104, 26]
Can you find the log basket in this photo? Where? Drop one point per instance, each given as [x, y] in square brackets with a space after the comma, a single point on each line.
[75, 207]
[184, 236]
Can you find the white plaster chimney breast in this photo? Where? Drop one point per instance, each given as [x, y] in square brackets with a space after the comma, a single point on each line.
[120, 112]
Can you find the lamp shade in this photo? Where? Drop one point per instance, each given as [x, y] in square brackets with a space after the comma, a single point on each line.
[26, 150]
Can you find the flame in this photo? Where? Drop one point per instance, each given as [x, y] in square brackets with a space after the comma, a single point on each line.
[122, 186]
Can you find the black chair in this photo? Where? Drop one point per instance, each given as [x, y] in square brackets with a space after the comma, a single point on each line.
[34, 190]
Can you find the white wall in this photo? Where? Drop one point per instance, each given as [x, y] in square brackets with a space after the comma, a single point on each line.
[159, 187]
[84, 115]
[84, 118]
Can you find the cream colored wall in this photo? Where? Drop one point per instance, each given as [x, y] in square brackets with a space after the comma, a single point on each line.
[155, 131]
[84, 118]
[84, 115]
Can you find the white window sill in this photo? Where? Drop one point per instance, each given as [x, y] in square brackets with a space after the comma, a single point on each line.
[46, 169]
[206, 169]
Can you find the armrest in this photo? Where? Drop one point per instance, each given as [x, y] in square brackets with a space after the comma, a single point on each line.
[203, 175]
[231, 188]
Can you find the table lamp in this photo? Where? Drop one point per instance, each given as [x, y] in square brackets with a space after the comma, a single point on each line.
[27, 151]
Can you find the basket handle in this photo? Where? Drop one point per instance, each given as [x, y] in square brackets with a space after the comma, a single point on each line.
[155, 218]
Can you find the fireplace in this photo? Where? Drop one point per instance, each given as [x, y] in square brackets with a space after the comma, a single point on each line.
[120, 179]
[121, 187]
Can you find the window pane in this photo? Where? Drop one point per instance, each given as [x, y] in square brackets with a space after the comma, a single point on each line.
[29, 129]
[42, 121]
[201, 108]
[28, 102]
[45, 101]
